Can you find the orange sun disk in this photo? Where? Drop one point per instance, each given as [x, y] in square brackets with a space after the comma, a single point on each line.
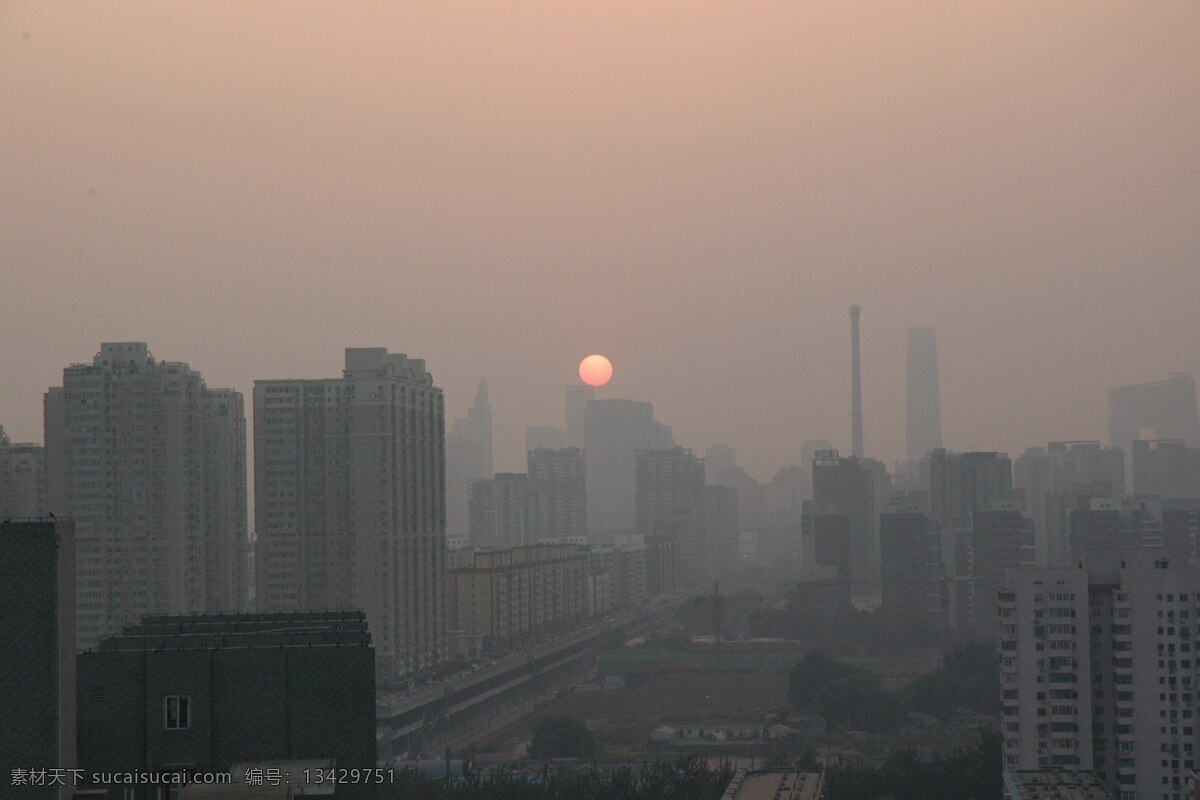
[595, 370]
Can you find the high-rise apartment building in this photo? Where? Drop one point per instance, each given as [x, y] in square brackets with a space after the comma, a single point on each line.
[670, 499]
[151, 465]
[1002, 539]
[558, 494]
[578, 398]
[350, 503]
[720, 531]
[513, 510]
[37, 672]
[22, 479]
[923, 422]
[1099, 671]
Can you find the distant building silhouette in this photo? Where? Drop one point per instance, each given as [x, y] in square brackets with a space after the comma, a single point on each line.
[923, 420]
[1168, 407]
[1045, 474]
[545, 437]
[615, 431]
[670, 500]
[846, 487]
[578, 398]
[22, 479]
[468, 458]
[911, 567]
[151, 465]
[1168, 468]
[37, 632]
[717, 459]
[350, 502]
[558, 494]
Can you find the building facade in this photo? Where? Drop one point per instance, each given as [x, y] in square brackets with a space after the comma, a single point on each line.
[350, 505]
[206, 692]
[912, 568]
[151, 465]
[669, 498]
[37, 673]
[558, 495]
[510, 594]
[22, 479]
[1099, 671]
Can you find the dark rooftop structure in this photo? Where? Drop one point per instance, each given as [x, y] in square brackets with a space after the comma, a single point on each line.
[202, 693]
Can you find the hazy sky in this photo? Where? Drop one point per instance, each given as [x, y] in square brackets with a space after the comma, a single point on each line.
[696, 189]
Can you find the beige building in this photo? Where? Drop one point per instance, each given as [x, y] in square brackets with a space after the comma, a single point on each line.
[350, 503]
[511, 594]
[151, 464]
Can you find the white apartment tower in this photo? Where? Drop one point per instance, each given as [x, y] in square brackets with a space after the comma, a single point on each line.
[350, 502]
[151, 465]
[1099, 671]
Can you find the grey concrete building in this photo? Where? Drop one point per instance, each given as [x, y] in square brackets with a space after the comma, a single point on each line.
[614, 430]
[558, 494]
[669, 498]
[37, 672]
[206, 692]
[151, 465]
[350, 505]
[911, 568]
[846, 487]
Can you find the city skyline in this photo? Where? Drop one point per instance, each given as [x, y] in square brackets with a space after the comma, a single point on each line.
[794, 162]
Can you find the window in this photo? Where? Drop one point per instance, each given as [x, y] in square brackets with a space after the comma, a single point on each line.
[177, 712]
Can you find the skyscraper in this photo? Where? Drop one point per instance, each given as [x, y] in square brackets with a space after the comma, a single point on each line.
[578, 398]
[846, 487]
[150, 463]
[924, 420]
[911, 567]
[350, 502]
[468, 458]
[1168, 407]
[961, 483]
[670, 499]
[558, 494]
[614, 431]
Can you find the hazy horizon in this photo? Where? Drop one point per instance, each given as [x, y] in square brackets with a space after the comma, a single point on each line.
[697, 191]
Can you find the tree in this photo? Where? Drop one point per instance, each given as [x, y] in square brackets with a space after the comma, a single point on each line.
[561, 737]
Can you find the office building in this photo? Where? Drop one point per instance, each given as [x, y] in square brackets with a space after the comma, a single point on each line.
[1107, 523]
[614, 431]
[468, 457]
[1168, 468]
[846, 487]
[962, 483]
[911, 568]
[37, 672]
[720, 531]
[578, 398]
[202, 693]
[1167, 407]
[1002, 539]
[923, 429]
[1099, 671]
[151, 465]
[558, 494]
[670, 499]
[513, 507]
[1052, 478]
[350, 502]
